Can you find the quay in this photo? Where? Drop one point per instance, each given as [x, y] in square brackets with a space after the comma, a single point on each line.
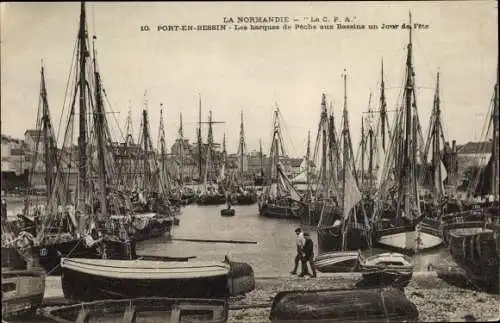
[434, 293]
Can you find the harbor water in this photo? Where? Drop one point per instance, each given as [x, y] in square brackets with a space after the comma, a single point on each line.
[273, 253]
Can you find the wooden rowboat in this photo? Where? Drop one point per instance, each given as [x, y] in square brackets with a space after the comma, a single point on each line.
[138, 310]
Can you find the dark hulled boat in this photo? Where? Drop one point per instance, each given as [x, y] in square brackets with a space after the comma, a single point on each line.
[360, 305]
[94, 279]
[343, 227]
[214, 198]
[473, 236]
[153, 309]
[386, 269]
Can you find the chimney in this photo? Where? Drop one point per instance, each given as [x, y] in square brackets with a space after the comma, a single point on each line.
[453, 146]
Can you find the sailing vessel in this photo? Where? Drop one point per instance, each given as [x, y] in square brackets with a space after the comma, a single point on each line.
[211, 193]
[74, 231]
[436, 203]
[152, 214]
[244, 195]
[322, 191]
[397, 209]
[472, 236]
[279, 199]
[345, 228]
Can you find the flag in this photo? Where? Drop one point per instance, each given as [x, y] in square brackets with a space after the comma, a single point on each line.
[352, 195]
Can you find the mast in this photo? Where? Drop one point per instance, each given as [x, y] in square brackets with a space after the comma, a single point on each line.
[383, 107]
[242, 147]
[495, 150]
[261, 159]
[436, 154]
[363, 147]
[308, 155]
[99, 129]
[345, 151]
[145, 136]
[82, 83]
[405, 175]
[181, 136]
[200, 143]
[162, 142]
[324, 118]
[49, 144]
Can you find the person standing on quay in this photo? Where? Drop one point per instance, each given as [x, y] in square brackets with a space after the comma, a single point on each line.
[300, 241]
[308, 256]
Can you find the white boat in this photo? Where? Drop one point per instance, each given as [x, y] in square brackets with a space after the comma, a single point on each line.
[338, 261]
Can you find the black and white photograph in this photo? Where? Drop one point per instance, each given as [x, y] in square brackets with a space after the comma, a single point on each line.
[248, 161]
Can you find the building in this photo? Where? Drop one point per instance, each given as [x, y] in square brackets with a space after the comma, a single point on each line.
[33, 140]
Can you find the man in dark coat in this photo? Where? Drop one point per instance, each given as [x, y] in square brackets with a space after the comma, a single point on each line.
[308, 256]
[300, 244]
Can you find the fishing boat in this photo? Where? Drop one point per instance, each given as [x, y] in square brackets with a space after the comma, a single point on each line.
[279, 199]
[22, 292]
[472, 236]
[243, 195]
[152, 309]
[344, 227]
[397, 209]
[359, 305]
[71, 226]
[322, 190]
[94, 279]
[386, 269]
[211, 193]
[152, 210]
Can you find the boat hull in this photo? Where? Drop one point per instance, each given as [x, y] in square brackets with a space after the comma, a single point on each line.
[386, 269]
[132, 279]
[245, 199]
[211, 200]
[142, 310]
[280, 211]
[337, 262]
[330, 239]
[476, 251]
[386, 305]
[22, 292]
[148, 226]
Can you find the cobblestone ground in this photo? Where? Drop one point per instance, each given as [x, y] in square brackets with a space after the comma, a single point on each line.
[435, 299]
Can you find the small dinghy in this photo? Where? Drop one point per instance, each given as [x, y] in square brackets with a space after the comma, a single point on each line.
[151, 310]
[359, 305]
[96, 279]
[338, 262]
[22, 292]
[386, 269]
[227, 212]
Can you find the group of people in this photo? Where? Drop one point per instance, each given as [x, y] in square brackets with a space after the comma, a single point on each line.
[305, 254]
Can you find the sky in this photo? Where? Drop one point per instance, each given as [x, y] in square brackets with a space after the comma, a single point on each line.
[252, 71]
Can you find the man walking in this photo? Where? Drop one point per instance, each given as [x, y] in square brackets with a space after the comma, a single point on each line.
[308, 257]
[300, 244]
